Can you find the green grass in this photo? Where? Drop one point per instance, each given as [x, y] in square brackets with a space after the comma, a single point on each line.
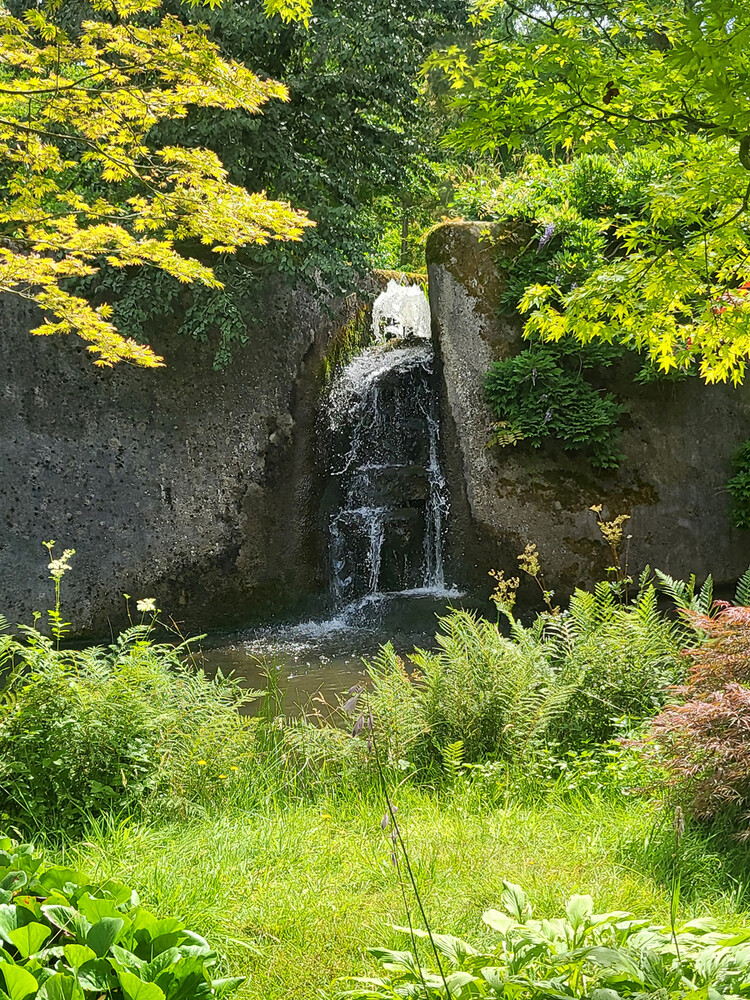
[294, 894]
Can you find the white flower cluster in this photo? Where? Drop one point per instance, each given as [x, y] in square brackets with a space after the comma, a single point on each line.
[59, 567]
[146, 604]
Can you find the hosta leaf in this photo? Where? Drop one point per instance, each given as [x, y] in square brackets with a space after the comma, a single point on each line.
[66, 880]
[67, 918]
[197, 951]
[62, 987]
[193, 987]
[459, 979]
[495, 978]
[134, 988]
[120, 893]
[103, 934]
[8, 921]
[126, 958]
[19, 983]
[29, 938]
[77, 954]
[164, 942]
[452, 947]
[96, 975]
[224, 987]
[578, 910]
[498, 921]
[150, 930]
[96, 909]
[196, 940]
[606, 958]
[13, 881]
[397, 959]
[159, 964]
[515, 901]
[605, 994]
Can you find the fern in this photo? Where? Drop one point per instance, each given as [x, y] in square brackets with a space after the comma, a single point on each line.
[453, 759]
[742, 593]
[705, 598]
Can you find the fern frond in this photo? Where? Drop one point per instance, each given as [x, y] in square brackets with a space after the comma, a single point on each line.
[453, 759]
[705, 597]
[681, 593]
[742, 593]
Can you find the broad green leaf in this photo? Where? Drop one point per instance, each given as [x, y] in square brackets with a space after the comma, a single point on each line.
[8, 921]
[14, 881]
[578, 910]
[150, 971]
[498, 921]
[134, 988]
[67, 918]
[225, 987]
[126, 958]
[29, 938]
[104, 934]
[515, 901]
[77, 954]
[96, 975]
[604, 993]
[96, 909]
[19, 983]
[396, 959]
[62, 878]
[62, 987]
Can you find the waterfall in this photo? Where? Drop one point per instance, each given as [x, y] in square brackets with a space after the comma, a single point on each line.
[388, 515]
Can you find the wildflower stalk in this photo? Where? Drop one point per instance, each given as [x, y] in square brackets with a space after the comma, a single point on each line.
[57, 570]
[397, 833]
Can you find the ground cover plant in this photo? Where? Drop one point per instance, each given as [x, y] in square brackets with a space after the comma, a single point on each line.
[121, 728]
[67, 937]
[579, 954]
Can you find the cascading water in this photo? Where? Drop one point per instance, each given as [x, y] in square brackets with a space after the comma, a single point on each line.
[384, 508]
[388, 517]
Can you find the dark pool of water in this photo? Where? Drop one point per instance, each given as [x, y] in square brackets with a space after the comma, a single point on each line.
[325, 658]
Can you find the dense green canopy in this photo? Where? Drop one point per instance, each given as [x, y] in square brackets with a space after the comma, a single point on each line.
[610, 77]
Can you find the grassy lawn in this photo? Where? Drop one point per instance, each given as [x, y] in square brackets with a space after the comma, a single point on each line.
[293, 895]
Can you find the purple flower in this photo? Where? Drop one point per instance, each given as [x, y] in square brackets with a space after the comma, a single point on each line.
[546, 235]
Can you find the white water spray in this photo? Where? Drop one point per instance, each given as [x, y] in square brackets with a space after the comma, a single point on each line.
[400, 311]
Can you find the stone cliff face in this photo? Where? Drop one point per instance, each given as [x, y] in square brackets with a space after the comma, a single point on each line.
[196, 487]
[677, 439]
[203, 489]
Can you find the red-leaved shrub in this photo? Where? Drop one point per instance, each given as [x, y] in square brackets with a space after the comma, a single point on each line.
[704, 742]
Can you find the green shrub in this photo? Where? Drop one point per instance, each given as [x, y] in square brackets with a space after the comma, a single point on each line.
[113, 729]
[739, 487]
[540, 395]
[601, 956]
[66, 937]
[567, 684]
[620, 660]
[498, 696]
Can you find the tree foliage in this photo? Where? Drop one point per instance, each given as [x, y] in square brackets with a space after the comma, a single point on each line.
[609, 77]
[703, 742]
[353, 146]
[84, 182]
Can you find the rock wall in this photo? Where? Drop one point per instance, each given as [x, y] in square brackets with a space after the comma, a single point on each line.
[678, 438]
[196, 487]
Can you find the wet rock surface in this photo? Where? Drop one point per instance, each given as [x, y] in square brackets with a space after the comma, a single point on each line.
[678, 438]
[196, 487]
